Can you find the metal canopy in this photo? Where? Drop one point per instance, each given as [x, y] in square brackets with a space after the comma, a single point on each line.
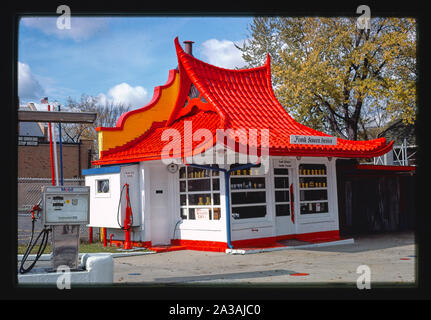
[56, 116]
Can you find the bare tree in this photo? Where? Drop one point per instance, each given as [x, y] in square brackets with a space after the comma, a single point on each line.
[107, 116]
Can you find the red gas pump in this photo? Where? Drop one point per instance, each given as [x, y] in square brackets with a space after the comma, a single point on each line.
[127, 221]
[128, 218]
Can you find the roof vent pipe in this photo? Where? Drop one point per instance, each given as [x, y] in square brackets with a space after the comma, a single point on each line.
[188, 46]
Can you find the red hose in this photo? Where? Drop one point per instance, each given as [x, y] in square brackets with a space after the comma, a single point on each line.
[110, 239]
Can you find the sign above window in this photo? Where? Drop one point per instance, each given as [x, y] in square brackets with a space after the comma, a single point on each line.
[282, 163]
[296, 139]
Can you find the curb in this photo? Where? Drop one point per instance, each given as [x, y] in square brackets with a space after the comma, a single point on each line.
[48, 256]
[304, 246]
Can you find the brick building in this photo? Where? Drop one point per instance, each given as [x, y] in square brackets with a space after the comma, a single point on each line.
[34, 160]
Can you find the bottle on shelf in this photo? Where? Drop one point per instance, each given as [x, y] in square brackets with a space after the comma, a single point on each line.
[200, 203]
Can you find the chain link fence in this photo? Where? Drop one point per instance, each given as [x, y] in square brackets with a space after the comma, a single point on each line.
[30, 193]
[30, 190]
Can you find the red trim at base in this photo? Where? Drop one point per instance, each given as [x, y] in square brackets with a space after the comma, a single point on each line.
[167, 248]
[201, 245]
[267, 242]
[323, 236]
[218, 246]
[315, 237]
[256, 243]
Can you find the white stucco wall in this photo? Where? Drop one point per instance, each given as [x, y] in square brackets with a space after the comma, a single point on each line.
[156, 207]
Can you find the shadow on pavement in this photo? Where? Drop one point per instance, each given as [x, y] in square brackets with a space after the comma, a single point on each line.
[370, 242]
[227, 276]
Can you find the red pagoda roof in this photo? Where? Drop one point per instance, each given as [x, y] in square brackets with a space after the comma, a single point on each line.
[232, 99]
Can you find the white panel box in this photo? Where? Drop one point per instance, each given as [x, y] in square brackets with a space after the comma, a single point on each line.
[106, 185]
[66, 205]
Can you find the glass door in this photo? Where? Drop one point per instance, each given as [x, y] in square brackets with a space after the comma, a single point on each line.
[283, 201]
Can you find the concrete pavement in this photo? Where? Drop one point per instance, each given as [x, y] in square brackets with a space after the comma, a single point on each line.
[390, 257]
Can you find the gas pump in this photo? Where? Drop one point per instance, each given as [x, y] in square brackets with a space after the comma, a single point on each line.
[64, 209]
[128, 218]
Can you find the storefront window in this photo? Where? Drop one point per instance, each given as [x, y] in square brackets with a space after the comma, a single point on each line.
[313, 188]
[199, 194]
[282, 194]
[248, 192]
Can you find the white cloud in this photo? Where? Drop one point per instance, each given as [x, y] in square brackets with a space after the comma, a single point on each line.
[222, 53]
[28, 86]
[81, 28]
[124, 93]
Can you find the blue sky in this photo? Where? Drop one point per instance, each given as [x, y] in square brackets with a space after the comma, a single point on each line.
[120, 59]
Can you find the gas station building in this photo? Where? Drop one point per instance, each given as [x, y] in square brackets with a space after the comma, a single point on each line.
[280, 183]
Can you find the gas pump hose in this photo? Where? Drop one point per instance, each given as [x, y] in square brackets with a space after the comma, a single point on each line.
[118, 211]
[45, 236]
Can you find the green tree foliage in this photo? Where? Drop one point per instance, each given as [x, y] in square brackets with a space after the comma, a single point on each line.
[335, 77]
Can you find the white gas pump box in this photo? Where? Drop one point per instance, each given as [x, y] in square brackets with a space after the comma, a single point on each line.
[107, 187]
[64, 205]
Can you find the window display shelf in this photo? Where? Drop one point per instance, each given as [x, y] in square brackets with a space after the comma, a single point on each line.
[248, 205]
[314, 207]
[313, 201]
[248, 211]
[199, 194]
[196, 192]
[191, 179]
[312, 175]
[248, 192]
[310, 169]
